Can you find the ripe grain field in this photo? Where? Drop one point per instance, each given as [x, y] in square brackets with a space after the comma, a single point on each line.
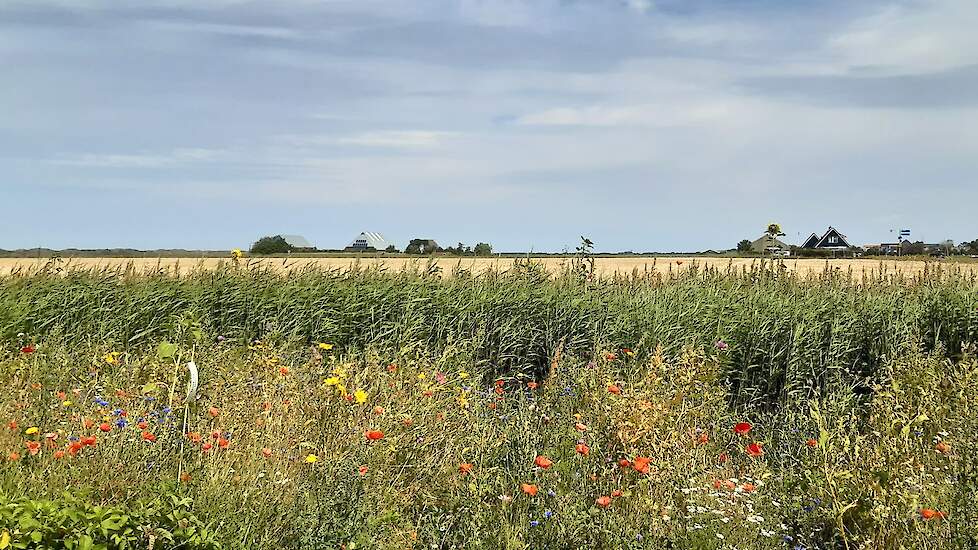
[603, 266]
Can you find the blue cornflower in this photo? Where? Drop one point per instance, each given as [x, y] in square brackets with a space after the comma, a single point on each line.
[534, 523]
[167, 410]
[551, 492]
[73, 438]
[548, 514]
[121, 423]
[118, 412]
[101, 402]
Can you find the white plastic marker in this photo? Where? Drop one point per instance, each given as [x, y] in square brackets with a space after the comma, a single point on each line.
[192, 385]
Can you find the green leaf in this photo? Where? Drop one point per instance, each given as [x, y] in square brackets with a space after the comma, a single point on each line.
[166, 350]
[85, 542]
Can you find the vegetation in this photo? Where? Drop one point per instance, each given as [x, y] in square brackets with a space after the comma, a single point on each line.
[369, 409]
[743, 246]
[271, 245]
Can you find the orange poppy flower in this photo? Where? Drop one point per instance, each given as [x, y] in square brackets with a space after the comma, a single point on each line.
[105, 427]
[755, 450]
[14, 456]
[213, 411]
[624, 463]
[194, 437]
[215, 434]
[465, 467]
[89, 441]
[61, 395]
[374, 435]
[812, 442]
[580, 427]
[543, 462]
[928, 513]
[148, 436]
[603, 501]
[33, 447]
[642, 464]
[703, 438]
[142, 425]
[12, 424]
[283, 370]
[722, 458]
[185, 477]
[942, 447]
[363, 470]
[532, 385]
[407, 421]
[391, 368]
[74, 447]
[612, 388]
[529, 489]
[582, 449]
[748, 487]
[616, 493]
[610, 356]
[266, 452]
[206, 446]
[88, 423]
[378, 410]
[742, 428]
[59, 454]
[223, 443]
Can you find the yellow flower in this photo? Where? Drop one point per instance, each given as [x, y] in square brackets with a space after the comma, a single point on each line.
[421, 376]
[332, 381]
[66, 403]
[236, 253]
[462, 401]
[463, 375]
[111, 358]
[360, 396]
[32, 430]
[311, 459]
[325, 346]
[339, 371]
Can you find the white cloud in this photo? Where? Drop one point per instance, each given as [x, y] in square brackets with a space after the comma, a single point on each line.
[397, 139]
[175, 157]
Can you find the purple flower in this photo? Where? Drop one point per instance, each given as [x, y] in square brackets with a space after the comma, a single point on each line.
[721, 345]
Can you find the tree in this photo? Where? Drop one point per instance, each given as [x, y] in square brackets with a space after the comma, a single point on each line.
[271, 245]
[390, 248]
[743, 246]
[483, 249]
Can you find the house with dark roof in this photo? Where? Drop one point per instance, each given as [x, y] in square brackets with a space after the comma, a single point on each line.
[833, 239]
[768, 244]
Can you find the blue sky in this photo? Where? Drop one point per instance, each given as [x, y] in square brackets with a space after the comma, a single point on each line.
[644, 124]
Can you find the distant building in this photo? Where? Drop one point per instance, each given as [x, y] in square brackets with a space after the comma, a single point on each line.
[368, 242]
[298, 243]
[770, 245]
[831, 240]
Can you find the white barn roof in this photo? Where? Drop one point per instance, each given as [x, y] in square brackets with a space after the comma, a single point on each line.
[297, 241]
[369, 239]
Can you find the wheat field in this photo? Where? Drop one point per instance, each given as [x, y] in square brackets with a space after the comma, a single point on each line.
[603, 266]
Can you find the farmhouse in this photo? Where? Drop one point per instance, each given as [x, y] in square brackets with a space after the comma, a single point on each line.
[298, 243]
[831, 240]
[368, 241]
[770, 245]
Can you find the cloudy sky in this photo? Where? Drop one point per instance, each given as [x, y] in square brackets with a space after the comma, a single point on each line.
[644, 124]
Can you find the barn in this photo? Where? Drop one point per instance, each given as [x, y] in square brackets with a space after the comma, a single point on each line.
[368, 241]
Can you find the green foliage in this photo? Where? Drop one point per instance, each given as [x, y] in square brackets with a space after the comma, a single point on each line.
[482, 249]
[74, 524]
[390, 249]
[271, 245]
[743, 246]
[774, 230]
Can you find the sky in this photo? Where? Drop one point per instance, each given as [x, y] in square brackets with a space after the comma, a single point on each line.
[646, 125]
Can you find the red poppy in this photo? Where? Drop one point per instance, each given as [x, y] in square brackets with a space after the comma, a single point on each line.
[748, 487]
[194, 436]
[215, 434]
[703, 438]
[529, 489]
[755, 450]
[74, 447]
[88, 423]
[206, 446]
[642, 464]
[61, 395]
[33, 447]
[362, 470]
[142, 424]
[266, 452]
[105, 427]
[722, 458]
[624, 463]
[582, 449]
[614, 389]
[580, 427]
[223, 443]
[14, 456]
[499, 390]
[213, 411]
[185, 477]
[942, 447]
[465, 467]
[532, 385]
[59, 454]
[27, 349]
[89, 441]
[283, 370]
[374, 435]
[616, 493]
[391, 368]
[928, 513]
[603, 501]
[543, 462]
[742, 428]
[812, 443]
[610, 356]
[12, 424]
[148, 436]
[378, 410]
